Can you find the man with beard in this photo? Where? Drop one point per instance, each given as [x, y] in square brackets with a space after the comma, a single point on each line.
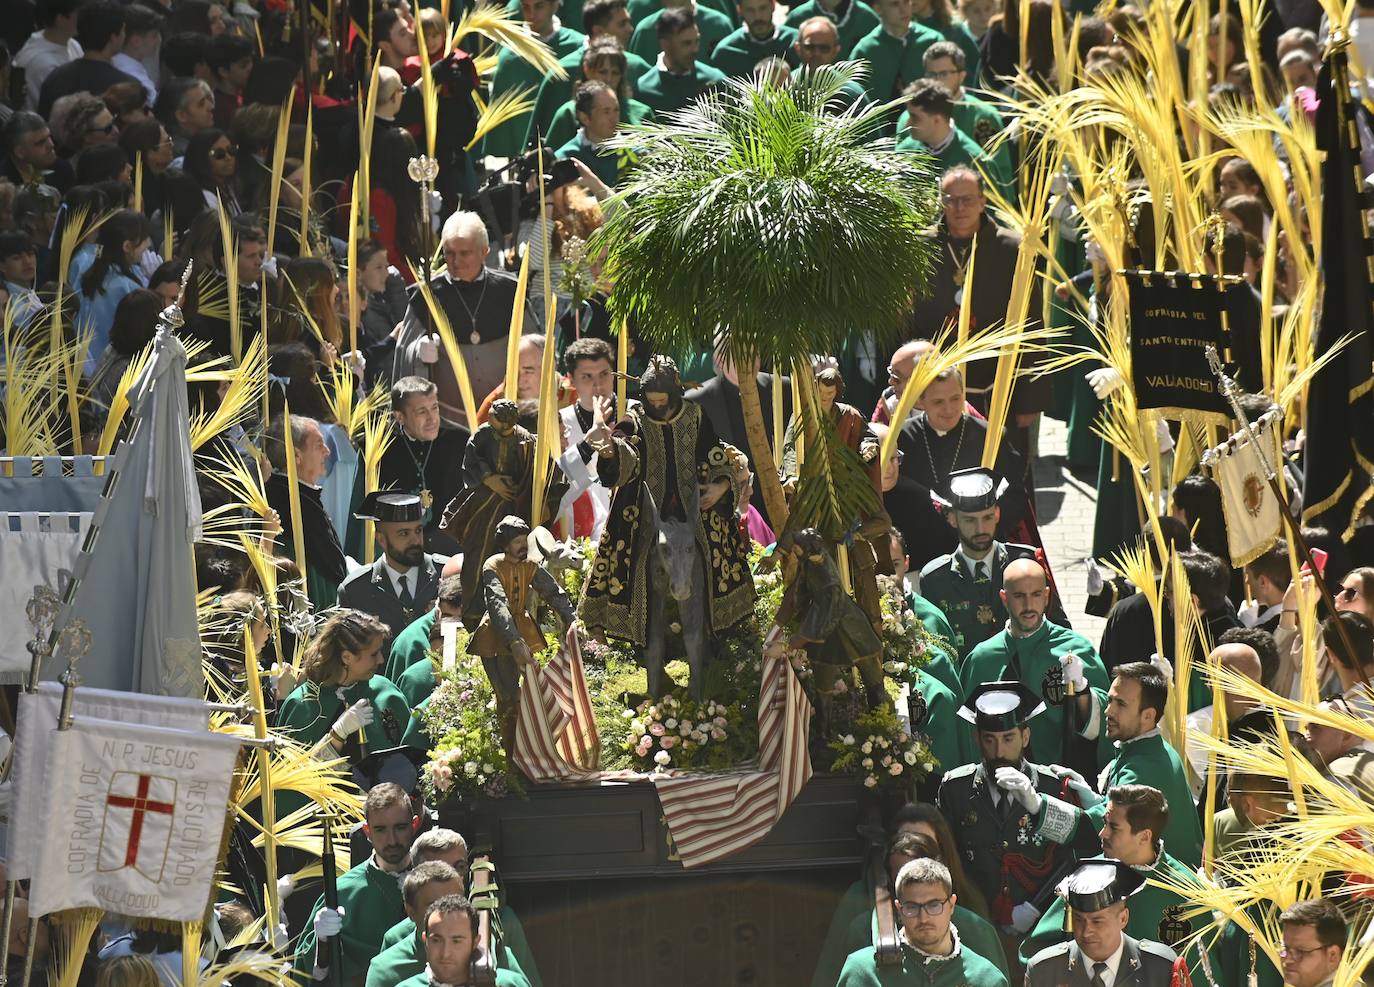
[425, 457]
[508, 635]
[1135, 704]
[498, 480]
[663, 455]
[967, 583]
[1058, 665]
[370, 900]
[1003, 855]
[401, 584]
[942, 440]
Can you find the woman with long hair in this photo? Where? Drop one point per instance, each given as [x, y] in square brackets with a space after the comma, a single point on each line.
[121, 242]
[344, 707]
[211, 159]
[310, 305]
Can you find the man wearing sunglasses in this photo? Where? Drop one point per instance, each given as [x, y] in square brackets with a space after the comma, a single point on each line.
[932, 953]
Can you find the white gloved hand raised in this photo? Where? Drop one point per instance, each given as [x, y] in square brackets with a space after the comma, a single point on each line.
[1103, 381]
[1074, 675]
[1162, 663]
[1096, 584]
[353, 719]
[1023, 917]
[1164, 436]
[1018, 786]
[328, 923]
[428, 350]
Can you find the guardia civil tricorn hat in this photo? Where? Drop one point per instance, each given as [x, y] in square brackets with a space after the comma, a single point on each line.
[972, 490]
[999, 706]
[390, 505]
[1099, 883]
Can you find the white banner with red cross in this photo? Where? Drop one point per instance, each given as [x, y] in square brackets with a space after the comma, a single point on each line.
[133, 817]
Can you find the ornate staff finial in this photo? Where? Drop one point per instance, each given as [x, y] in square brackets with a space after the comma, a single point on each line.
[171, 317]
[41, 611]
[423, 170]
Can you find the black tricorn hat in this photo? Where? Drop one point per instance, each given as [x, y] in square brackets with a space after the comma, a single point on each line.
[999, 706]
[1099, 883]
[971, 490]
[390, 505]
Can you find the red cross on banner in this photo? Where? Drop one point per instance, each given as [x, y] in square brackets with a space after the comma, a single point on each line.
[144, 830]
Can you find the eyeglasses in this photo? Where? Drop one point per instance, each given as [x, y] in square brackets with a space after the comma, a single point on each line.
[1300, 953]
[915, 909]
[220, 153]
[960, 201]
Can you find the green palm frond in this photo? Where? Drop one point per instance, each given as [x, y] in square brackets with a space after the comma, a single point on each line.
[789, 225]
[833, 490]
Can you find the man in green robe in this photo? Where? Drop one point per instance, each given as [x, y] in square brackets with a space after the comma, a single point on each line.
[1134, 818]
[818, 45]
[447, 846]
[932, 954]
[893, 52]
[513, 72]
[369, 895]
[1003, 855]
[1135, 703]
[449, 935]
[563, 128]
[853, 19]
[604, 57]
[598, 113]
[642, 9]
[1101, 894]
[1048, 660]
[945, 62]
[934, 711]
[931, 128]
[678, 77]
[756, 39]
[714, 27]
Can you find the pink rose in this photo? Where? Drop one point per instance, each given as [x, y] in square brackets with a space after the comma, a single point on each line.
[667, 742]
[656, 729]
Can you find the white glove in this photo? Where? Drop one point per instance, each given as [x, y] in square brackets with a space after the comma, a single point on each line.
[1164, 436]
[281, 936]
[1094, 254]
[328, 923]
[1087, 798]
[1073, 674]
[1103, 381]
[353, 719]
[356, 362]
[1162, 663]
[428, 350]
[1023, 917]
[286, 886]
[1019, 787]
[1095, 582]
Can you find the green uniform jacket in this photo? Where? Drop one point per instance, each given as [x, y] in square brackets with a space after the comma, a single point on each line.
[307, 714]
[973, 609]
[664, 92]
[605, 166]
[1229, 958]
[513, 72]
[564, 126]
[1003, 853]
[949, 742]
[416, 683]
[1146, 760]
[964, 150]
[713, 26]
[569, 12]
[372, 902]
[411, 646]
[977, 118]
[1001, 656]
[738, 52]
[513, 943]
[1143, 964]
[858, 20]
[893, 63]
[504, 978]
[640, 9]
[964, 968]
[554, 92]
[416, 735]
[854, 926]
[1155, 914]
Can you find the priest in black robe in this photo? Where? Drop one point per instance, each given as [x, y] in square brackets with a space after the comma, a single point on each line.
[943, 437]
[477, 301]
[425, 456]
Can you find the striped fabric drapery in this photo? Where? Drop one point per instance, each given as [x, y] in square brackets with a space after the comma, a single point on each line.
[712, 817]
[555, 734]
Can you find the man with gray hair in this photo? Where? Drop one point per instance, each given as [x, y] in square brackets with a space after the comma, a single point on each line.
[477, 302]
[325, 566]
[932, 953]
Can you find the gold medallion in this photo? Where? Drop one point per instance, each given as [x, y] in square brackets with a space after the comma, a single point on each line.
[426, 499]
[476, 336]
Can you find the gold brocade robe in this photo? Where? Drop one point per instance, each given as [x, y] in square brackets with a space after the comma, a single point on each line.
[665, 460]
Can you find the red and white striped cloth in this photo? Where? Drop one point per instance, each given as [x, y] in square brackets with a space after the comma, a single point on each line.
[711, 817]
[555, 734]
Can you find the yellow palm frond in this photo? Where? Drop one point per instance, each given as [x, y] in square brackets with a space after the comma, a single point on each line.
[240, 398]
[511, 33]
[509, 105]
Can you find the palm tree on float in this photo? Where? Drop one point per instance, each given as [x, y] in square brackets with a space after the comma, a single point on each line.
[766, 223]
